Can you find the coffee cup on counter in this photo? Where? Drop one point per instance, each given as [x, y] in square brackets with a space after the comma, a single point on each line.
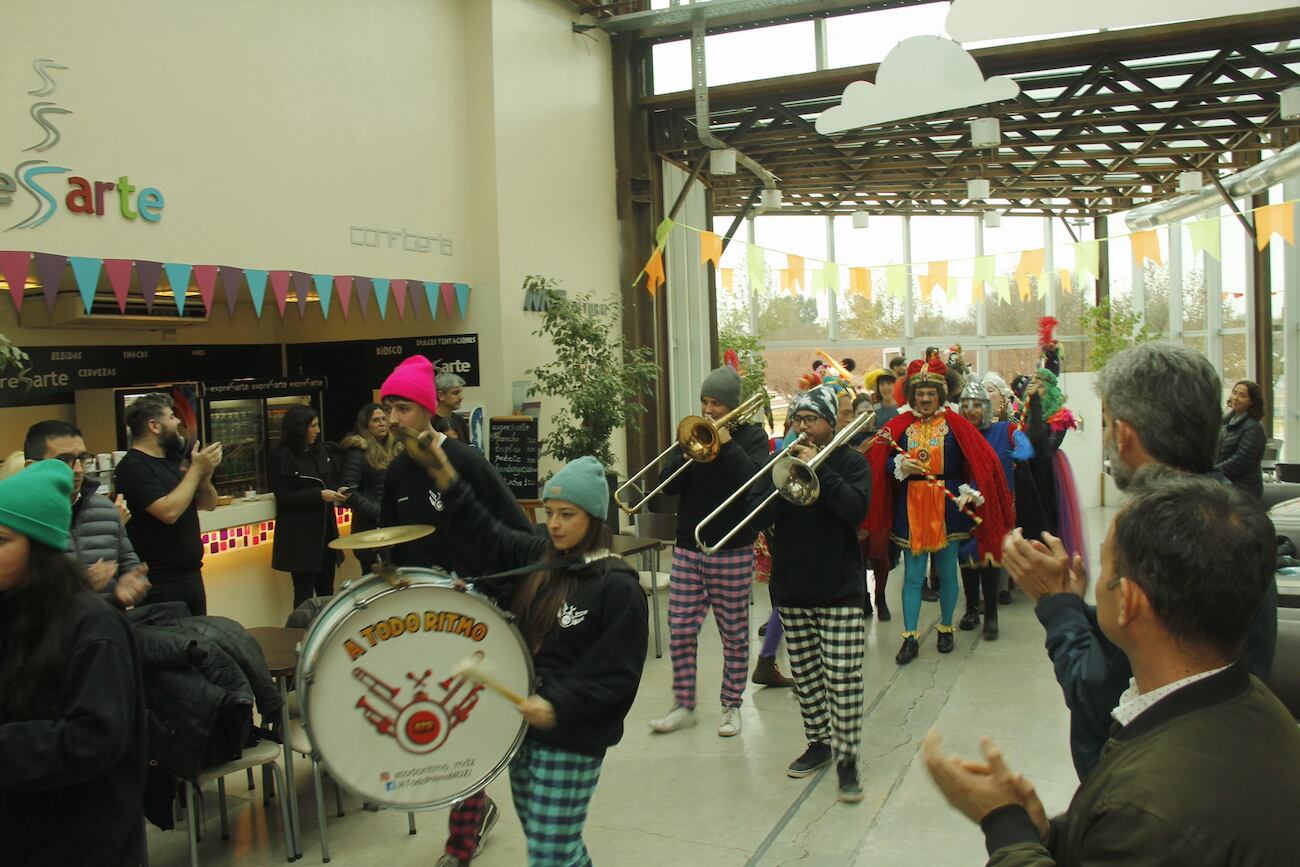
[117, 457]
[104, 462]
[250, 494]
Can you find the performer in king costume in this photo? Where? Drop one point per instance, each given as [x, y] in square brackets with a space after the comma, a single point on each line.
[926, 518]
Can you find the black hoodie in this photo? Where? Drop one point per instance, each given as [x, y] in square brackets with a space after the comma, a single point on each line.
[589, 665]
[704, 486]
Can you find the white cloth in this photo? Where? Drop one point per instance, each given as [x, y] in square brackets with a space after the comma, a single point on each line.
[1133, 704]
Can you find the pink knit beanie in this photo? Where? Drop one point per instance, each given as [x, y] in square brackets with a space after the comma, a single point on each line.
[413, 380]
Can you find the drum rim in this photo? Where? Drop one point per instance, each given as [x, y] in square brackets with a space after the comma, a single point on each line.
[301, 671]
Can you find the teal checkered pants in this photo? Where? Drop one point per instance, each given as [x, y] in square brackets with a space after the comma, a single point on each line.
[551, 788]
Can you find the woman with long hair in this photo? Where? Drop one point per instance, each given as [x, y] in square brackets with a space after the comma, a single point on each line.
[1241, 445]
[367, 451]
[303, 475]
[584, 622]
[72, 717]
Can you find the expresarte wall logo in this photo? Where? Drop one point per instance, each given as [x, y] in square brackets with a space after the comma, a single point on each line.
[39, 178]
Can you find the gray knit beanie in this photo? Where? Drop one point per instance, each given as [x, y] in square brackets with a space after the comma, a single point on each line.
[723, 385]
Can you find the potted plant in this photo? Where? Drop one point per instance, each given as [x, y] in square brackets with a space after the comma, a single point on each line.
[602, 381]
[11, 355]
[1110, 330]
[753, 366]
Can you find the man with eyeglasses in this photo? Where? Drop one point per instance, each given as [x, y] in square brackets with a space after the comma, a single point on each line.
[98, 539]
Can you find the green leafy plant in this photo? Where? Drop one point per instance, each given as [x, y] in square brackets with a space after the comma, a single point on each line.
[1110, 329]
[602, 381]
[11, 356]
[749, 349]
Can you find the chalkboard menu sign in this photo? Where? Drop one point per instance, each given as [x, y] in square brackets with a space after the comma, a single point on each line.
[512, 441]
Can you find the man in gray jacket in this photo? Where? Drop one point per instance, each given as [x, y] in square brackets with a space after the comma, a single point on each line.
[98, 538]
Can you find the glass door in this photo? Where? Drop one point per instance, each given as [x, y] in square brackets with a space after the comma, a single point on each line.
[237, 425]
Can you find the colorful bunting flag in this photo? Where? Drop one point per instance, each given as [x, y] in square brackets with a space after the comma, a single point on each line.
[757, 267]
[1146, 245]
[205, 277]
[1067, 285]
[896, 280]
[280, 289]
[398, 290]
[178, 277]
[654, 274]
[798, 271]
[361, 286]
[1030, 265]
[448, 291]
[49, 273]
[431, 295]
[831, 276]
[661, 233]
[710, 248]
[1275, 220]
[1003, 285]
[985, 271]
[935, 279]
[1087, 258]
[343, 289]
[1205, 235]
[324, 291]
[256, 278]
[119, 277]
[381, 296]
[86, 271]
[13, 267]
[728, 278]
[301, 289]
[462, 298]
[860, 281]
[149, 274]
[230, 280]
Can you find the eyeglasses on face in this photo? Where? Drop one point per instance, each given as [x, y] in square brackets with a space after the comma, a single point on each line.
[804, 420]
[84, 460]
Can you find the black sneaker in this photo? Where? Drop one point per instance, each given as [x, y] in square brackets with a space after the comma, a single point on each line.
[1004, 597]
[490, 816]
[944, 643]
[815, 757]
[882, 609]
[850, 788]
[911, 647]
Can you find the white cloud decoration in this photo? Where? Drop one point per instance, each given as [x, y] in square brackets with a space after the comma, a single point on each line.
[921, 75]
[973, 20]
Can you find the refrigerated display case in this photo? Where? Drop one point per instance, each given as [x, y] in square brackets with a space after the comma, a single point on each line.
[245, 416]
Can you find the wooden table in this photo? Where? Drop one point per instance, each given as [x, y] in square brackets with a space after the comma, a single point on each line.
[647, 550]
[280, 647]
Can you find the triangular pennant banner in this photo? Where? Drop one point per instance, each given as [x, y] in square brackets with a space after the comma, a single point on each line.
[431, 295]
[798, 279]
[728, 278]
[1205, 236]
[756, 265]
[178, 277]
[415, 295]
[381, 295]
[985, 271]
[710, 248]
[817, 282]
[462, 298]
[324, 291]
[49, 273]
[230, 280]
[256, 288]
[13, 267]
[785, 280]
[280, 289]
[977, 291]
[398, 290]
[448, 292]
[1003, 285]
[860, 281]
[1087, 259]
[205, 277]
[654, 274]
[1275, 220]
[831, 276]
[363, 289]
[1067, 286]
[935, 280]
[301, 289]
[149, 273]
[86, 271]
[661, 232]
[1146, 245]
[1030, 265]
[343, 288]
[896, 280]
[119, 277]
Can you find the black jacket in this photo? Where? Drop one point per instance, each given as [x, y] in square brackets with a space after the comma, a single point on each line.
[816, 559]
[704, 486]
[411, 497]
[1036, 509]
[1241, 449]
[304, 523]
[589, 665]
[72, 776]
[365, 486]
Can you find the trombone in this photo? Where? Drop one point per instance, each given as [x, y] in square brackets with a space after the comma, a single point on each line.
[792, 478]
[697, 437]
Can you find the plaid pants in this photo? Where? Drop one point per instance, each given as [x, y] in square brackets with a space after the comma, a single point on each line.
[463, 826]
[551, 789]
[826, 647]
[700, 581]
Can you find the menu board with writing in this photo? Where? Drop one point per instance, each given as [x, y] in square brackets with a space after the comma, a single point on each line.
[512, 441]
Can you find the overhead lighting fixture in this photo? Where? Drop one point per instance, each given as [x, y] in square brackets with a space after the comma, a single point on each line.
[992, 219]
[977, 188]
[1290, 102]
[985, 132]
[1190, 182]
[722, 162]
[861, 219]
[771, 199]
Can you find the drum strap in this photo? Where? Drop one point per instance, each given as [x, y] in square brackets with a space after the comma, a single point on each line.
[569, 562]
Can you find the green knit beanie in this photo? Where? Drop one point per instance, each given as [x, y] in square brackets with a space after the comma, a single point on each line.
[581, 482]
[37, 503]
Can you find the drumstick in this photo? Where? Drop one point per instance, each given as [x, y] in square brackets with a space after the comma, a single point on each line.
[470, 667]
[930, 477]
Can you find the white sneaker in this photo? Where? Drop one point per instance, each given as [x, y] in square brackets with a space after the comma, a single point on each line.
[677, 718]
[730, 725]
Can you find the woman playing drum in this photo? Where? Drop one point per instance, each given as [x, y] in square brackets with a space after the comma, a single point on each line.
[585, 625]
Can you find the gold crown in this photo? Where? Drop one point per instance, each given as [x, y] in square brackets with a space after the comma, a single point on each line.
[925, 377]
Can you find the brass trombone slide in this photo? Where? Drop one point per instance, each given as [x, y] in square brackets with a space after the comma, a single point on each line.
[697, 437]
[792, 478]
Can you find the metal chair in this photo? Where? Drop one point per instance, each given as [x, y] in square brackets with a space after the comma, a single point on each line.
[655, 525]
[1268, 464]
[264, 754]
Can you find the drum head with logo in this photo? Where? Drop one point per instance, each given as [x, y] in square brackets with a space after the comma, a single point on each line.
[381, 703]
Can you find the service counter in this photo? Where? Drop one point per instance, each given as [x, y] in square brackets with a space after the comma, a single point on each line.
[237, 569]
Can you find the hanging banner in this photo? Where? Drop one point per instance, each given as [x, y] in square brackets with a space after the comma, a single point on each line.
[985, 271]
[431, 295]
[654, 275]
[398, 290]
[896, 280]
[1003, 285]
[381, 296]
[280, 289]
[1087, 258]
[448, 291]
[831, 276]
[728, 278]
[1275, 220]
[149, 273]
[343, 289]
[13, 267]
[935, 279]
[798, 271]
[231, 277]
[86, 272]
[256, 278]
[324, 291]
[1030, 266]
[119, 278]
[710, 248]
[178, 278]
[462, 298]
[1204, 235]
[860, 281]
[301, 285]
[757, 268]
[1146, 246]
[205, 277]
[361, 286]
[662, 231]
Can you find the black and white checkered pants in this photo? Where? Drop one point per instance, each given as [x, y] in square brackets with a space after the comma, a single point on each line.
[826, 646]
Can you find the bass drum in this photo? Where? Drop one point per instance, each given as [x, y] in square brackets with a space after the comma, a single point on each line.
[379, 700]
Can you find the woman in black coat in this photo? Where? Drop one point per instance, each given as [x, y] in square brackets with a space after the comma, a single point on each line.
[1242, 440]
[303, 479]
[367, 452]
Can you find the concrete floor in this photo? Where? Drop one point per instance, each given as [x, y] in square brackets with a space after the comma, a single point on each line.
[693, 798]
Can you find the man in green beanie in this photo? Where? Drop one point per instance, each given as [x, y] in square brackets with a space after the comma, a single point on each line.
[721, 580]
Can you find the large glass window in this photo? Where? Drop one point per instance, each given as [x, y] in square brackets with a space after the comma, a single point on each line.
[946, 244]
[879, 316]
[1020, 314]
[1077, 291]
[855, 40]
[1236, 246]
[764, 52]
[1193, 285]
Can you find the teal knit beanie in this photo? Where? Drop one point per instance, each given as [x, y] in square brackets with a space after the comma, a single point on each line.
[37, 503]
[581, 482]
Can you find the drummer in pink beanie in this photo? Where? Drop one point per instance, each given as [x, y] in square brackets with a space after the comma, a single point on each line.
[410, 398]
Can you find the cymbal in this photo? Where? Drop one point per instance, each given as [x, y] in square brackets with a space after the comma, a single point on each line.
[384, 537]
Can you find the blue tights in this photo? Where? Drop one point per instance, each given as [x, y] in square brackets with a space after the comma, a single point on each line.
[914, 570]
